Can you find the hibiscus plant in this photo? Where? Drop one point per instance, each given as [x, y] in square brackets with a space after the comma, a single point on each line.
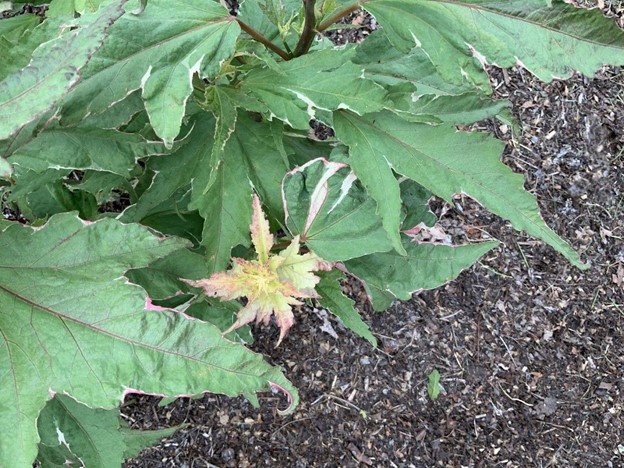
[163, 188]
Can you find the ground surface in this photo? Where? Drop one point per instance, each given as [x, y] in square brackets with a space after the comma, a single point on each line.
[528, 347]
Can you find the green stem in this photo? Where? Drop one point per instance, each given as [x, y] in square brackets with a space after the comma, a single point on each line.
[263, 40]
[338, 16]
[308, 33]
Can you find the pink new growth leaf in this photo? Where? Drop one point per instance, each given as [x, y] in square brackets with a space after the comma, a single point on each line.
[271, 283]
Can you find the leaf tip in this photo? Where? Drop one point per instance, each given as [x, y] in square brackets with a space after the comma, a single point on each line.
[260, 233]
[293, 398]
[149, 305]
[583, 266]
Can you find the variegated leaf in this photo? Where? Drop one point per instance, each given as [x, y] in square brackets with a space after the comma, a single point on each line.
[332, 214]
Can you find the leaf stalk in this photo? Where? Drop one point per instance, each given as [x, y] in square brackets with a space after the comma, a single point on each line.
[263, 40]
[338, 16]
[308, 33]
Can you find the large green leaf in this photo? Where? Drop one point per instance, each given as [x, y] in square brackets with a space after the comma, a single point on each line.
[221, 190]
[333, 215]
[162, 282]
[390, 67]
[170, 219]
[29, 181]
[463, 109]
[54, 197]
[85, 148]
[443, 161]
[226, 209]
[12, 29]
[101, 185]
[552, 39]
[224, 102]
[324, 80]
[222, 315]
[301, 149]
[174, 172]
[261, 146]
[28, 38]
[116, 116]
[281, 12]
[54, 68]
[71, 324]
[253, 15]
[24, 135]
[158, 52]
[89, 437]
[375, 173]
[5, 223]
[388, 276]
[135, 441]
[415, 201]
[420, 89]
[223, 105]
[251, 160]
[69, 7]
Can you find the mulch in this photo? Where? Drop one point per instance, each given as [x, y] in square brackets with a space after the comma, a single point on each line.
[529, 348]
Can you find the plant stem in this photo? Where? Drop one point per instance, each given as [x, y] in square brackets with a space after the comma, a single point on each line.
[263, 40]
[338, 16]
[308, 33]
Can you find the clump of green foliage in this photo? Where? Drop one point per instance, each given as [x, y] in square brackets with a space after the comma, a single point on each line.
[160, 155]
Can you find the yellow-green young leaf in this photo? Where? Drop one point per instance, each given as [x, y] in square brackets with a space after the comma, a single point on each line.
[297, 269]
[266, 294]
[261, 236]
[271, 283]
